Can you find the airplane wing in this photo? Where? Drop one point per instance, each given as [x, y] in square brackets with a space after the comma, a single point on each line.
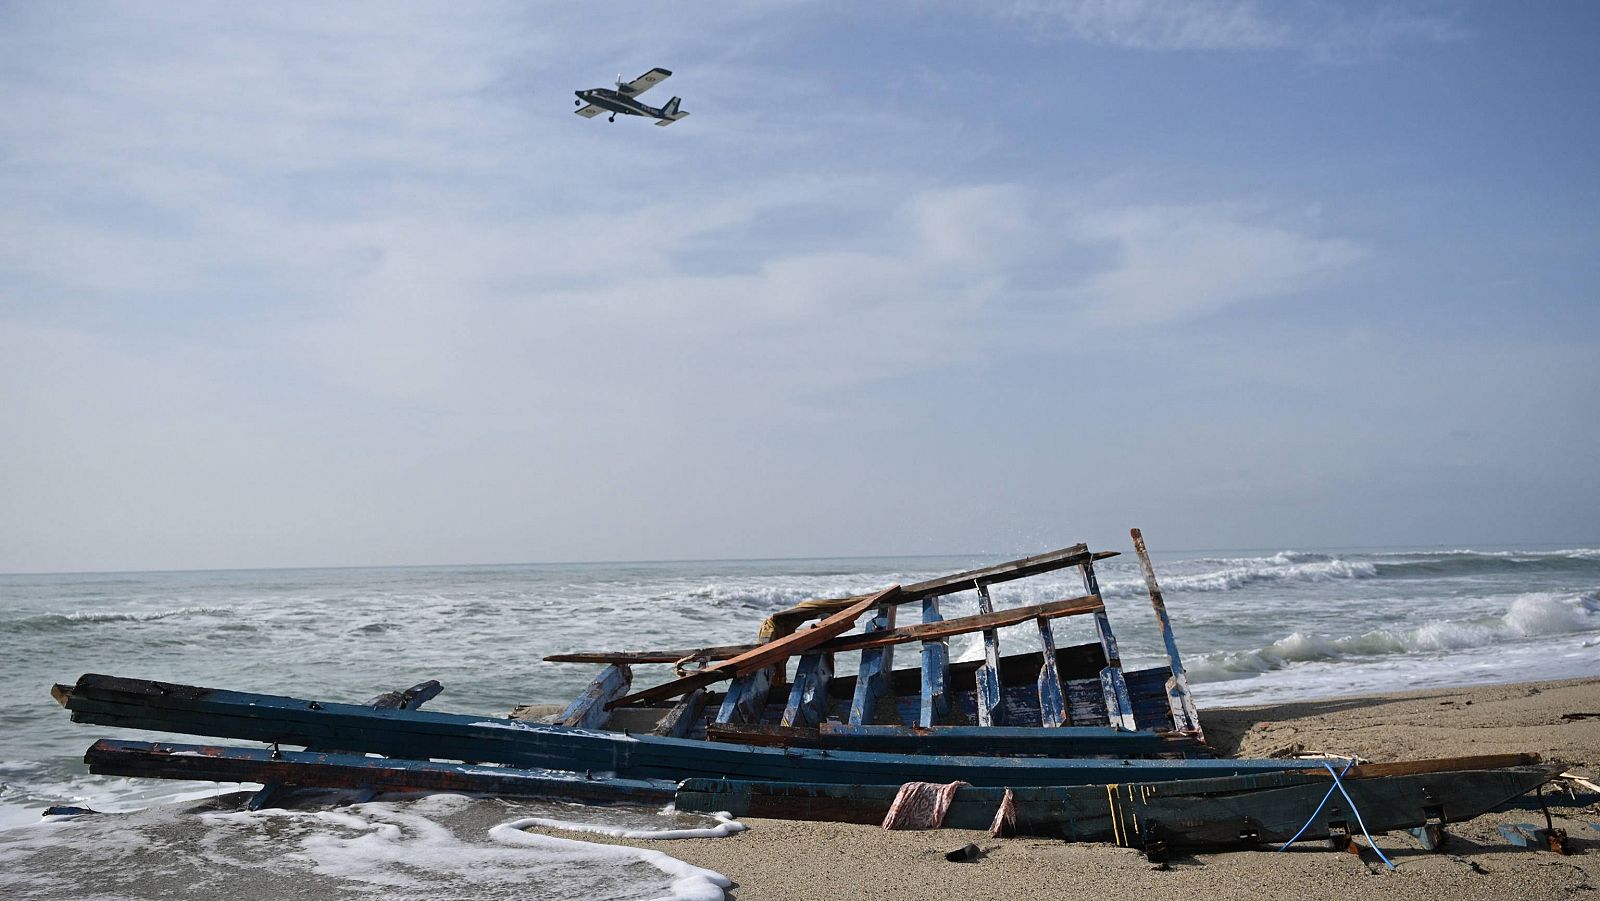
[590, 111]
[645, 82]
[675, 117]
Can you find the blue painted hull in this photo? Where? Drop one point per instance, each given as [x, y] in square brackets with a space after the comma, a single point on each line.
[421, 735]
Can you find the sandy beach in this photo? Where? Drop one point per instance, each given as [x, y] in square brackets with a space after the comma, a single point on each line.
[787, 860]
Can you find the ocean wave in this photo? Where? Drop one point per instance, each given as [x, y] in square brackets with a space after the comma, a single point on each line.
[1529, 615]
[1240, 572]
[49, 622]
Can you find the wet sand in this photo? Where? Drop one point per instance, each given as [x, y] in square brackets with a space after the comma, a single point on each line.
[789, 860]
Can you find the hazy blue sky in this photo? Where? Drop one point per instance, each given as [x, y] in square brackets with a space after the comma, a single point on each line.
[333, 284]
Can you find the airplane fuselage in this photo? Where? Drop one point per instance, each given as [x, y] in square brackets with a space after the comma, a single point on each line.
[618, 102]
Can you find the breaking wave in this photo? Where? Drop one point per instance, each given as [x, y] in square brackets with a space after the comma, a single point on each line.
[50, 622]
[1530, 615]
[1286, 566]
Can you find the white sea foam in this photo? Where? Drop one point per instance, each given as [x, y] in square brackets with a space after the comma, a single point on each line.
[1529, 615]
[689, 882]
[726, 825]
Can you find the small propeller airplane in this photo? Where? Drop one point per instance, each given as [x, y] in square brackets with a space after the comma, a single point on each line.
[622, 100]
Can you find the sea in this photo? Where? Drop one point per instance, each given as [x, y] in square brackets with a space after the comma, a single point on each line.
[1253, 626]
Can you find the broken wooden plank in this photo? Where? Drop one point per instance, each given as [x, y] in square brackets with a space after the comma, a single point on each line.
[985, 741]
[989, 712]
[684, 716]
[808, 697]
[1119, 706]
[925, 631]
[271, 794]
[747, 697]
[935, 670]
[1052, 700]
[1185, 716]
[772, 652]
[786, 621]
[220, 763]
[872, 677]
[588, 709]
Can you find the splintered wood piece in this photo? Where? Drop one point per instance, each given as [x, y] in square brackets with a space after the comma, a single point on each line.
[990, 713]
[929, 630]
[764, 655]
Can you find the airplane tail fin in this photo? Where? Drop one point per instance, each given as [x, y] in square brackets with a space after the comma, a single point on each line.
[670, 113]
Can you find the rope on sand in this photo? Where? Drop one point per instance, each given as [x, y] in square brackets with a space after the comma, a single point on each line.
[1339, 787]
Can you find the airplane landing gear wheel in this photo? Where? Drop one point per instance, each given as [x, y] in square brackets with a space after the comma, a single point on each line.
[613, 118]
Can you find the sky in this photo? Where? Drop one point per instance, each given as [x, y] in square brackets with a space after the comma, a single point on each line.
[307, 284]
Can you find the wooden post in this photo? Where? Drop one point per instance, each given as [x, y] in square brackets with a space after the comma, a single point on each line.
[935, 671]
[872, 680]
[746, 699]
[1185, 716]
[990, 713]
[682, 718]
[1052, 700]
[808, 697]
[272, 793]
[588, 709]
[1119, 706]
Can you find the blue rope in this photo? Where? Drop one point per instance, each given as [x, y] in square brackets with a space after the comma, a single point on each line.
[1323, 803]
[1340, 786]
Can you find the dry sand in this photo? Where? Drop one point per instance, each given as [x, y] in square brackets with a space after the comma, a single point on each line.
[778, 859]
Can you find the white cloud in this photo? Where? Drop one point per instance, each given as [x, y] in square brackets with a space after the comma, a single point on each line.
[1175, 263]
[1325, 32]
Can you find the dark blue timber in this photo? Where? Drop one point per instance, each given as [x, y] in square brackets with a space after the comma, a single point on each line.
[747, 697]
[218, 763]
[872, 677]
[984, 741]
[588, 709]
[272, 794]
[1233, 812]
[990, 711]
[808, 697]
[416, 734]
[935, 689]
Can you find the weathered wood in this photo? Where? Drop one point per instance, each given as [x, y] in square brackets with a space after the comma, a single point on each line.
[989, 712]
[872, 678]
[808, 696]
[944, 585]
[926, 631]
[1225, 813]
[935, 670]
[1119, 706]
[684, 716]
[772, 652]
[1052, 700]
[272, 793]
[422, 735]
[588, 709]
[747, 697]
[309, 769]
[983, 741]
[1185, 716]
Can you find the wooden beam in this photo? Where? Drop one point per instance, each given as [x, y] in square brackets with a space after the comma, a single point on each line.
[990, 713]
[1052, 700]
[1119, 706]
[1185, 716]
[682, 718]
[808, 697]
[588, 709]
[772, 652]
[872, 678]
[935, 670]
[926, 631]
[746, 699]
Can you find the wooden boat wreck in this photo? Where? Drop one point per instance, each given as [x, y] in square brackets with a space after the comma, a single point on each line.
[1066, 731]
